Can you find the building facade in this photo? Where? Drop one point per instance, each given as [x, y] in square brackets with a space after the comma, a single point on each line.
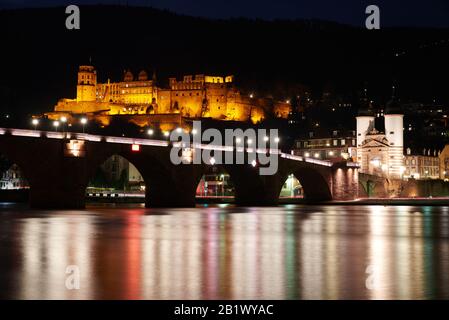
[381, 153]
[13, 179]
[334, 145]
[422, 167]
[199, 96]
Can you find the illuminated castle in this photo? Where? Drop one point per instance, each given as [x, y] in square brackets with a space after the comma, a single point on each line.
[142, 102]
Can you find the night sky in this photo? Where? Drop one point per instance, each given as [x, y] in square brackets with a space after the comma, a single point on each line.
[419, 13]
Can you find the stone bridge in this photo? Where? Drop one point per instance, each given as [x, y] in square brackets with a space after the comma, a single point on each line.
[58, 167]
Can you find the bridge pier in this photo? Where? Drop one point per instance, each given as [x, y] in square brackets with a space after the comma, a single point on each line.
[345, 183]
[59, 183]
[258, 191]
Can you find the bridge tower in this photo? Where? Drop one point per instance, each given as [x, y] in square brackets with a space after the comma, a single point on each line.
[394, 131]
[86, 90]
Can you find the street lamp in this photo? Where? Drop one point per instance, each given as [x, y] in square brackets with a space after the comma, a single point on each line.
[64, 121]
[83, 122]
[35, 122]
[150, 132]
[56, 125]
[222, 185]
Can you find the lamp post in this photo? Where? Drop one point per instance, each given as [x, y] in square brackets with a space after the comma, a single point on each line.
[222, 185]
[56, 125]
[83, 122]
[35, 122]
[64, 121]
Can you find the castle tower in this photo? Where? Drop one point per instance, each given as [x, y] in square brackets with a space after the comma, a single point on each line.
[87, 84]
[365, 121]
[394, 132]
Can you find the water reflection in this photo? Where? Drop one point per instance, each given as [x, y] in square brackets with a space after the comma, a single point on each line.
[291, 252]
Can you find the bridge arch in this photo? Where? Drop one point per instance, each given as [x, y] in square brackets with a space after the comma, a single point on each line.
[164, 182]
[249, 187]
[316, 186]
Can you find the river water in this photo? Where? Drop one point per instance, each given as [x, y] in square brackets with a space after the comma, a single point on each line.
[225, 252]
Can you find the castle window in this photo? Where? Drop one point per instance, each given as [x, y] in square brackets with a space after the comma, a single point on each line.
[409, 151]
[335, 143]
[391, 132]
[343, 142]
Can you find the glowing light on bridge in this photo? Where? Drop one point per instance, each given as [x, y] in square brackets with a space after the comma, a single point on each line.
[35, 122]
[75, 148]
[135, 147]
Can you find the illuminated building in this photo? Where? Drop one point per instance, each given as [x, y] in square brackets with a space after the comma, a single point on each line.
[142, 102]
[422, 166]
[13, 178]
[444, 163]
[381, 153]
[334, 145]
